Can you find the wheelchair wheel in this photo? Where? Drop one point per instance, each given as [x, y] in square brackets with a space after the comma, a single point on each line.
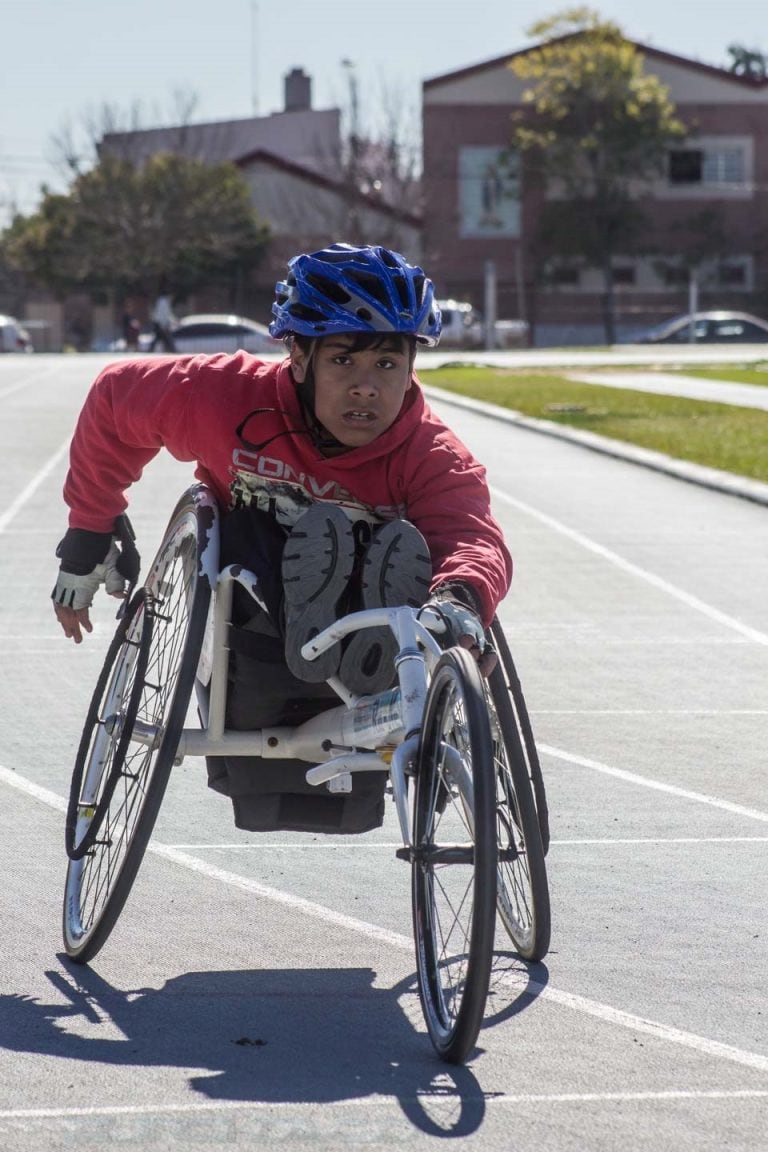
[522, 887]
[132, 730]
[454, 857]
[106, 737]
[523, 722]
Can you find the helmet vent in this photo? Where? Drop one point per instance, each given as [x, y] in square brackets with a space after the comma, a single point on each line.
[371, 285]
[304, 312]
[364, 314]
[401, 287]
[329, 288]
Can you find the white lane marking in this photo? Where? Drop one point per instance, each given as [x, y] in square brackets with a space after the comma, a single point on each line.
[608, 1015]
[648, 712]
[686, 598]
[657, 785]
[33, 486]
[655, 841]
[21, 784]
[520, 983]
[277, 846]
[371, 1100]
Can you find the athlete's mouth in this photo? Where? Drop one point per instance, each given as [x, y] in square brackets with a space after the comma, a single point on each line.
[359, 416]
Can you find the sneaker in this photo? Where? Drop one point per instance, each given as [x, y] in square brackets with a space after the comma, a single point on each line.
[397, 570]
[318, 559]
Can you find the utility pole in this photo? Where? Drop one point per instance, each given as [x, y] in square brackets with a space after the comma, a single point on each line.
[254, 58]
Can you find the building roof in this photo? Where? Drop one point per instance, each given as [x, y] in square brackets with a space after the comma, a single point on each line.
[308, 136]
[319, 180]
[749, 82]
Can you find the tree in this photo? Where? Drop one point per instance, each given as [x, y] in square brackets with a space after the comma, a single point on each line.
[379, 159]
[596, 129]
[749, 62]
[124, 227]
[698, 242]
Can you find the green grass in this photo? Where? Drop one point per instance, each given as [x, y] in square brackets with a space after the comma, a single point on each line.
[715, 435]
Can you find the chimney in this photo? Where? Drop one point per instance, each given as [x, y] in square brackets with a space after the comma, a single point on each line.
[298, 91]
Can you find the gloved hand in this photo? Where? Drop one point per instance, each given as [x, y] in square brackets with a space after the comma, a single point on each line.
[75, 590]
[463, 627]
[89, 559]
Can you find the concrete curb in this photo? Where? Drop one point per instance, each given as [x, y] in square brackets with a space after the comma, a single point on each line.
[726, 482]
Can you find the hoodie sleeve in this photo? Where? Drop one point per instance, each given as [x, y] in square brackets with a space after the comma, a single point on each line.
[449, 502]
[132, 411]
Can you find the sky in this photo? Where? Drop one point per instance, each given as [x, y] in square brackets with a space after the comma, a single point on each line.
[63, 62]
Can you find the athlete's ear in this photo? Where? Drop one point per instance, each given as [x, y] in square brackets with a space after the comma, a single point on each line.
[298, 363]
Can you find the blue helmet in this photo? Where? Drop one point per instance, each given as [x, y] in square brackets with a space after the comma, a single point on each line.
[349, 289]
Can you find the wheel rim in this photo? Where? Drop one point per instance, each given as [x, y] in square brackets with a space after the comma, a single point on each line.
[92, 881]
[454, 888]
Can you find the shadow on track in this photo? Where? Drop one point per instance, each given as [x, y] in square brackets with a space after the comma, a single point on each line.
[281, 1035]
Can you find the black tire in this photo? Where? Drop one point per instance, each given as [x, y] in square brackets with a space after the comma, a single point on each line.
[454, 857]
[522, 900]
[176, 598]
[522, 720]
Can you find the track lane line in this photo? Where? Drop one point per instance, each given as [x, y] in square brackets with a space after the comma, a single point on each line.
[714, 614]
[655, 785]
[28, 492]
[371, 1100]
[519, 984]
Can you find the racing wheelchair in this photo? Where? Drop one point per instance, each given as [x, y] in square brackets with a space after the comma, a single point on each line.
[458, 750]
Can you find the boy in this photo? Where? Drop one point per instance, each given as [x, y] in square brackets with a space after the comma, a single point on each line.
[340, 488]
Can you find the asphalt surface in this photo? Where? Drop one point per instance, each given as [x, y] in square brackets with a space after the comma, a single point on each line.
[261, 989]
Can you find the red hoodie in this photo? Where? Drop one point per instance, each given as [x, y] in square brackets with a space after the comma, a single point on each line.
[194, 405]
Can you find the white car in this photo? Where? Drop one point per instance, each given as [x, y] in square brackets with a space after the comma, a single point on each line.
[462, 325]
[211, 332]
[14, 336]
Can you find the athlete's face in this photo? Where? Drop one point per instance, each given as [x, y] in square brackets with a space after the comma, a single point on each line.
[358, 394]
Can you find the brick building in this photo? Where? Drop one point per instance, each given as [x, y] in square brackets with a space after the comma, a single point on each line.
[478, 209]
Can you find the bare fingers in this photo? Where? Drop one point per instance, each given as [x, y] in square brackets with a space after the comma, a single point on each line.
[73, 622]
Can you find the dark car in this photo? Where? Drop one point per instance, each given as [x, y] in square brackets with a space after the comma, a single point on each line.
[709, 328]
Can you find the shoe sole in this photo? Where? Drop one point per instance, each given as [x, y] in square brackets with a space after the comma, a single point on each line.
[318, 559]
[397, 570]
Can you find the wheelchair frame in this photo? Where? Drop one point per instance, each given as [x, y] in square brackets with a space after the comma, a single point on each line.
[459, 751]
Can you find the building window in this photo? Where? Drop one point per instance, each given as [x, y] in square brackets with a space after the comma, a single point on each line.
[686, 166]
[674, 275]
[732, 275]
[625, 274]
[565, 276]
[725, 166]
[737, 273]
[712, 165]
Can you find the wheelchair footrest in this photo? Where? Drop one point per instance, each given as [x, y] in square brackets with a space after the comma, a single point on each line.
[439, 854]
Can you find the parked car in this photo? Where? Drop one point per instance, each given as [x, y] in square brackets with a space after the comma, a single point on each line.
[211, 332]
[462, 325]
[14, 336]
[708, 328]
